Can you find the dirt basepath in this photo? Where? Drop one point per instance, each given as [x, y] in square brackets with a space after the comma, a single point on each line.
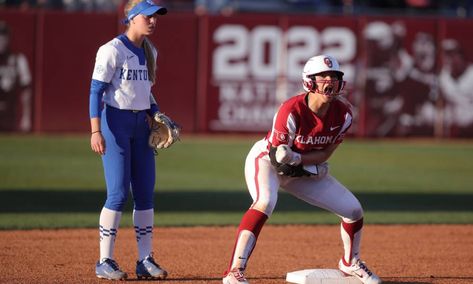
[399, 254]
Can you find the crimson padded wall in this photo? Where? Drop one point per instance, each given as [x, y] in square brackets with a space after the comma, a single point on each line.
[67, 46]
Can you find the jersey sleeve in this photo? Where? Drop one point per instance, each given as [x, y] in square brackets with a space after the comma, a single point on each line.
[105, 63]
[284, 127]
[95, 98]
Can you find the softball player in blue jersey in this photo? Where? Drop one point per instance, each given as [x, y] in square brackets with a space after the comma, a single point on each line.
[122, 78]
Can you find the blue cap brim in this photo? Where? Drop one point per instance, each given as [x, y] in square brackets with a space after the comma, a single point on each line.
[154, 10]
[145, 8]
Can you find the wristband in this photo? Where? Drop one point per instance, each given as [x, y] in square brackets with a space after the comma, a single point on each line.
[96, 132]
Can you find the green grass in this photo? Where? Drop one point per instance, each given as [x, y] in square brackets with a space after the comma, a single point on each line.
[57, 182]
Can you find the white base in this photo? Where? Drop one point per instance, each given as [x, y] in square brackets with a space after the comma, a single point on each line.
[320, 276]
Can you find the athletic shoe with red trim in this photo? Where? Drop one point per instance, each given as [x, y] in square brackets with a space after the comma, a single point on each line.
[359, 269]
[235, 276]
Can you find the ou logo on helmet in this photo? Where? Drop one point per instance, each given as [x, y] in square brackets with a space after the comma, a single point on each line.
[328, 62]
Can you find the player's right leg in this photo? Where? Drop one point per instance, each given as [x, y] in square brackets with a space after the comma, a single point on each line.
[116, 163]
[263, 184]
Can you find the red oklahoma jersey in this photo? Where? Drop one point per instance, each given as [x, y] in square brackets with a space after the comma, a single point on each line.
[297, 126]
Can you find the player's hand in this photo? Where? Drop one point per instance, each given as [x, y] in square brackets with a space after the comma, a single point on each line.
[285, 155]
[97, 143]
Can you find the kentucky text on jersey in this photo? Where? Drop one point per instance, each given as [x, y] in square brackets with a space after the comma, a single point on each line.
[314, 140]
[134, 74]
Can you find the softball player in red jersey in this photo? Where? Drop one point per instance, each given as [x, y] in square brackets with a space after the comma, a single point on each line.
[306, 130]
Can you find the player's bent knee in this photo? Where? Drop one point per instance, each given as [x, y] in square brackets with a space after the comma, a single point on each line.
[355, 215]
[264, 206]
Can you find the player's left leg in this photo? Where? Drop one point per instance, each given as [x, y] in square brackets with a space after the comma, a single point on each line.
[350, 263]
[329, 194]
[142, 183]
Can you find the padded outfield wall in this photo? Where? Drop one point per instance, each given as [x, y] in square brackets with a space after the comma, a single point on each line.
[229, 74]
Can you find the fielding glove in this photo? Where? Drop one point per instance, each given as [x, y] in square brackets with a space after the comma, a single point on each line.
[164, 132]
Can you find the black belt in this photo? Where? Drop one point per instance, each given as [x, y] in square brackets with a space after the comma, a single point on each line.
[132, 110]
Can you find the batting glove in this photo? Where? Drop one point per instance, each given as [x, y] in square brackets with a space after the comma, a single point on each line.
[285, 155]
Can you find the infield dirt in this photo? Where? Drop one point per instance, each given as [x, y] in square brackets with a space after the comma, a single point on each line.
[398, 253]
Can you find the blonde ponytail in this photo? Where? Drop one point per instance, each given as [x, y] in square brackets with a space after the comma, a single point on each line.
[150, 60]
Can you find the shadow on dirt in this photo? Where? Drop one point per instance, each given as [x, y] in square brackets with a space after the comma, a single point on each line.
[52, 201]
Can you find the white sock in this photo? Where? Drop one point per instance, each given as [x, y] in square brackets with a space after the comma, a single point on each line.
[108, 227]
[245, 244]
[143, 221]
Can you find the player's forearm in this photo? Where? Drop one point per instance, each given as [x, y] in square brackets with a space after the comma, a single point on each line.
[318, 156]
[95, 125]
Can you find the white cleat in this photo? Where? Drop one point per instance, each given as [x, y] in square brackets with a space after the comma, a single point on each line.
[108, 269]
[235, 276]
[359, 269]
[148, 268]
